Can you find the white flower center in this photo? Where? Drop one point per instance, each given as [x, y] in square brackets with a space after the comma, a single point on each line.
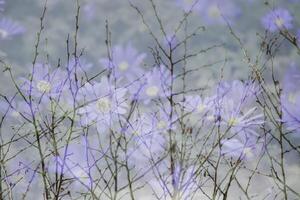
[292, 98]
[214, 11]
[123, 66]
[15, 114]
[135, 132]
[233, 121]
[247, 152]
[104, 105]
[210, 118]
[3, 33]
[162, 124]
[201, 107]
[43, 86]
[279, 22]
[152, 91]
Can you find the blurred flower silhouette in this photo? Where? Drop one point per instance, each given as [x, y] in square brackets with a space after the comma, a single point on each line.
[103, 104]
[235, 104]
[198, 105]
[77, 164]
[45, 81]
[242, 150]
[277, 19]
[148, 139]
[218, 11]
[157, 84]
[9, 28]
[126, 63]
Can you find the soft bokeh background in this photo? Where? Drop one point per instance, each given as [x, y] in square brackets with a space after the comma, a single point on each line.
[126, 26]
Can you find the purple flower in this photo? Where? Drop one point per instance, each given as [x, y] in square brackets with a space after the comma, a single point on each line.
[77, 163]
[9, 28]
[290, 99]
[236, 107]
[242, 150]
[45, 81]
[157, 84]
[215, 11]
[161, 122]
[148, 132]
[158, 122]
[103, 104]
[198, 105]
[148, 140]
[277, 19]
[126, 62]
[82, 66]
[241, 93]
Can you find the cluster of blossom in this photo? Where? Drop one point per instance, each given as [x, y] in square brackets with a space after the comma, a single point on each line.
[9, 27]
[106, 105]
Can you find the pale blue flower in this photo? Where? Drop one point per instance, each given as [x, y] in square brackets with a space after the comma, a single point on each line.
[218, 11]
[156, 85]
[126, 63]
[242, 150]
[103, 104]
[236, 108]
[46, 81]
[277, 19]
[10, 28]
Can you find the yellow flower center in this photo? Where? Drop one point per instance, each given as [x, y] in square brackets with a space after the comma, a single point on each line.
[104, 105]
[233, 121]
[210, 118]
[162, 124]
[152, 91]
[201, 107]
[43, 86]
[292, 98]
[214, 11]
[279, 22]
[135, 132]
[123, 66]
[247, 152]
[15, 114]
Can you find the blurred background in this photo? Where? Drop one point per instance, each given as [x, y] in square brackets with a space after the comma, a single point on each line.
[126, 27]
